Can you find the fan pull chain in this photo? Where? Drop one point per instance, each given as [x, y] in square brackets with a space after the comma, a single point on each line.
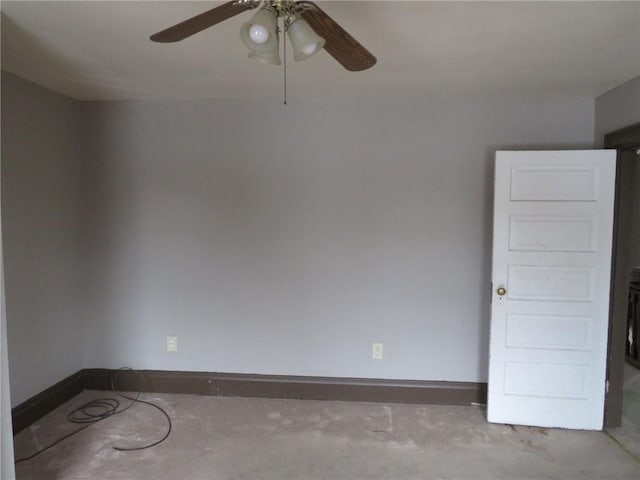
[284, 54]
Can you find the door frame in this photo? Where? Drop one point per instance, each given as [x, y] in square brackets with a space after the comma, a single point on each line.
[622, 140]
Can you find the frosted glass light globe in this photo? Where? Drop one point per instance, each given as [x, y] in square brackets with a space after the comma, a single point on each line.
[309, 49]
[258, 34]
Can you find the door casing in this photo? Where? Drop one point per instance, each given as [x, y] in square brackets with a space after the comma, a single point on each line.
[622, 140]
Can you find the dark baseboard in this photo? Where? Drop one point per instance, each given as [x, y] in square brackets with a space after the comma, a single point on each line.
[249, 385]
[39, 405]
[633, 361]
[286, 386]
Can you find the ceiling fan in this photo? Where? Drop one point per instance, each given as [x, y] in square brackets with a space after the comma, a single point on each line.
[309, 29]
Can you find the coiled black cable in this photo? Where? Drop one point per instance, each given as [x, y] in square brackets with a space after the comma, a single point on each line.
[100, 409]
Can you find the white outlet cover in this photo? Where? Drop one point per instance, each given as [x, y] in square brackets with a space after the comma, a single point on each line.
[172, 344]
[377, 351]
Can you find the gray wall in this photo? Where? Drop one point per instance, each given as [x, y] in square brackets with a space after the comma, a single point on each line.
[284, 240]
[41, 215]
[269, 239]
[634, 229]
[617, 108]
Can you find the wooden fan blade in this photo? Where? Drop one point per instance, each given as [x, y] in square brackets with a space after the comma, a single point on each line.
[205, 20]
[339, 44]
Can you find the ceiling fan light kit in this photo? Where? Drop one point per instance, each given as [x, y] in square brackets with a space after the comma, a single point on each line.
[262, 26]
[260, 35]
[309, 29]
[304, 40]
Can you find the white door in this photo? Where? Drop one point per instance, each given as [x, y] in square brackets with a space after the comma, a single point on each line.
[552, 239]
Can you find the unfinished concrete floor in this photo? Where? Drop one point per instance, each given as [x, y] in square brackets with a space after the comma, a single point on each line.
[628, 434]
[252, 439]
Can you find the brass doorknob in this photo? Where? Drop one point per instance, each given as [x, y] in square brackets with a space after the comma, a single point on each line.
[501, 291]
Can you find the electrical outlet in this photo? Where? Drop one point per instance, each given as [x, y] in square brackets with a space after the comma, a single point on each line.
[377, 352]
[172, 344]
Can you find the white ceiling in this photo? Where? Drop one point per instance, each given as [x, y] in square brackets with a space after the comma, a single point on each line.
[93, 50]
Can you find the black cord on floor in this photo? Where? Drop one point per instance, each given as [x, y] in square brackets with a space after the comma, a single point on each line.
[100, 409]
[158, 442]
[52, 445]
